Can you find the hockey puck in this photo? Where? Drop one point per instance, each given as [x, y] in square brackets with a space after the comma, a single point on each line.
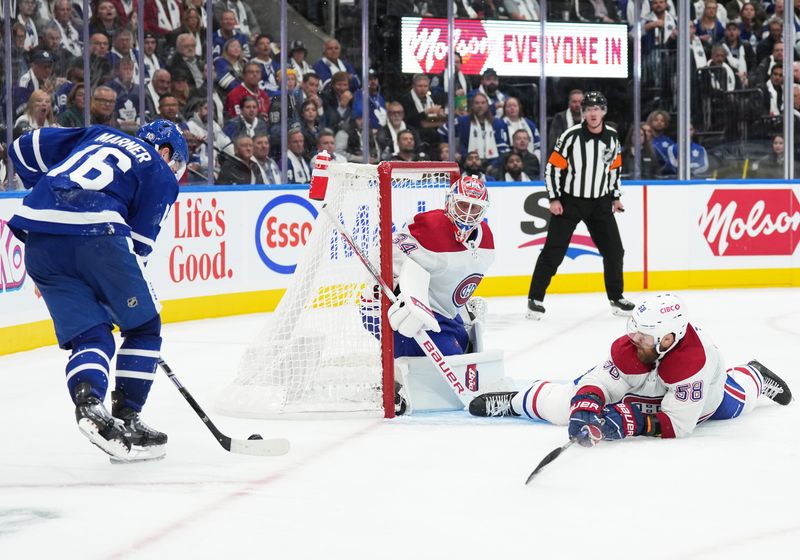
[255, 436]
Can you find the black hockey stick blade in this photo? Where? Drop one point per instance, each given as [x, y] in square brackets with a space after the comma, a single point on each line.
[263, 447]
[549, 458]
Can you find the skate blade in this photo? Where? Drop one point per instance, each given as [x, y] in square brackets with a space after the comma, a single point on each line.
[114, 448]
[620, 312]
[141, 454]
[534, 315]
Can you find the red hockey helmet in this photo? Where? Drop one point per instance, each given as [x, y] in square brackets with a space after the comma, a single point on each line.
[466, 203]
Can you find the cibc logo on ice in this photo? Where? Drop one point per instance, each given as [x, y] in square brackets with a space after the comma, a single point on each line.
[282, 228]
[751, 222]
[199, 252]
[12, 260]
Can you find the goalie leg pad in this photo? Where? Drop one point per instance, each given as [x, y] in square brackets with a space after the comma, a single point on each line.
[426, 391]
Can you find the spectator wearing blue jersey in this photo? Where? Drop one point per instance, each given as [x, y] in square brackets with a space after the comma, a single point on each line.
[38, 77]
[98, 199]
[490, 87]
[229, 68]
[708, 28]
[127, 106]
[263, 56]
[228, 30]
[698, 158]
[658, 121]
[515, 120]
[480, 132]
[331, 63]
[377, 104]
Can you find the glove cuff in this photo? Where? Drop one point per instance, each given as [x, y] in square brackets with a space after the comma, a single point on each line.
[586, 402]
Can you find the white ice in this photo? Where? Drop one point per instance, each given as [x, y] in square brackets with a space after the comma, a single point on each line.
[436, 486]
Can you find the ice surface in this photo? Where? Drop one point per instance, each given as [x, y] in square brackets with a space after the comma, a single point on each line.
[425, 487]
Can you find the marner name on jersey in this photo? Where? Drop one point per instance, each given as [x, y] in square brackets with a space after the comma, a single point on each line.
[129, 144]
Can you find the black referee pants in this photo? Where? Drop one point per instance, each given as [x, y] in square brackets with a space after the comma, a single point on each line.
[599, 218]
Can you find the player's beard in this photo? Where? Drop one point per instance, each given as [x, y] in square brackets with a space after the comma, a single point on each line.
[647, 355]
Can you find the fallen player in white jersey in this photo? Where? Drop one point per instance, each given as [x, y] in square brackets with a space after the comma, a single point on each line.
[661, 380]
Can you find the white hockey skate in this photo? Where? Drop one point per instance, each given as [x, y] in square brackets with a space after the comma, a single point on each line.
[147, 444]
[98, 425]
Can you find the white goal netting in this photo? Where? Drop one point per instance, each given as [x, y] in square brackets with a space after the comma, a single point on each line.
[315, 353]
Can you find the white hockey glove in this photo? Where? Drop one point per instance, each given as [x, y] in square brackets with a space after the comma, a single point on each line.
[477, 308]
[411, 312]
[412, 316]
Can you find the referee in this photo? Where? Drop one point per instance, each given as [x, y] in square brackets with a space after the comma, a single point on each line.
[582, 178]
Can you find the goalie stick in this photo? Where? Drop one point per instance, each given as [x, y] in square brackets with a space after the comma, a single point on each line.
[276, 446]
[422, 338]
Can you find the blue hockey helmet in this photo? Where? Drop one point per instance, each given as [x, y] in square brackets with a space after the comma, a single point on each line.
[161, 133]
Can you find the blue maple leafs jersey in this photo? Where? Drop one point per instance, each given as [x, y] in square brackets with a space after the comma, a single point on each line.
[92, 181]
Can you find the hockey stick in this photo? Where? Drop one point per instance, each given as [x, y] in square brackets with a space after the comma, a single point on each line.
[549, 458]
[422, 338]
[593, 436]
[255, 446]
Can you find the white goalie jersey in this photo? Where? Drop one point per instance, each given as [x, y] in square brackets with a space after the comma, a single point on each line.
[455, 268]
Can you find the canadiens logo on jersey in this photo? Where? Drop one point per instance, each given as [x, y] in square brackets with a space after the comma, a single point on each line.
[466, 288]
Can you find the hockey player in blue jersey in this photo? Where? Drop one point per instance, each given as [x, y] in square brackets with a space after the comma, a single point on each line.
[97, 203]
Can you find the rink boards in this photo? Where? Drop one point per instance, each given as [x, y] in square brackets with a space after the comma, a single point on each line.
[232, 250]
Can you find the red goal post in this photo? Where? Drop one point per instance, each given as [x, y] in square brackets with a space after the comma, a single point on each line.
[386, 171]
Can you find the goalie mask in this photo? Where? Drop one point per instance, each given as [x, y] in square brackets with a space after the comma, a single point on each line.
[655, 317]
[161, 133]
[466, 203]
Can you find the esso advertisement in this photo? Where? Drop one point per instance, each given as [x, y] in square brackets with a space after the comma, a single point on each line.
[200, 250]
[12, 260]
[281, 231]
[760, 222]
[514, 48]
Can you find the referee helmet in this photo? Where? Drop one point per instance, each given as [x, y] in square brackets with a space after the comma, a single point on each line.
[594, 99]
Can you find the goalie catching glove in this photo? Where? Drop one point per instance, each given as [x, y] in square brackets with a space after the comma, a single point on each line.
[411, 313]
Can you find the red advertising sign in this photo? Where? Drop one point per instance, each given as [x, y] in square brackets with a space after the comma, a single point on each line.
[199, 252]
[515, 48]
[751, 222]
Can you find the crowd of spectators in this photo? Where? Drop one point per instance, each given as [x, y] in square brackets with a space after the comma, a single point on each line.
[735, 47]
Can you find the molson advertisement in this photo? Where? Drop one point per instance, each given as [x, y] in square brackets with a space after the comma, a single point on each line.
[514, 48]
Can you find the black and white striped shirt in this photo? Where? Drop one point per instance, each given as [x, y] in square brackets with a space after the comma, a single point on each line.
[584, 165]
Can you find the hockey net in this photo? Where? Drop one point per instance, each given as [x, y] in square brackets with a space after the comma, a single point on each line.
[321, 350]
